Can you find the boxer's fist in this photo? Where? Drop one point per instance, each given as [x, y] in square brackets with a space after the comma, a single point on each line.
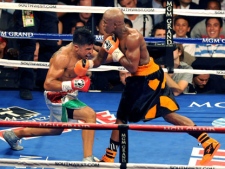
[82, 66]
[81, 83]
[112, 47]
[78, 83]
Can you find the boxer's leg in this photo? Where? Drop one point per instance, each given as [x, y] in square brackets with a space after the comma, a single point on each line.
[87, 115]
[209, 144]
[13, 137]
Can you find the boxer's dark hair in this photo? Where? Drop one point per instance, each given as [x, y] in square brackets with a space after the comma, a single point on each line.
[83, 36]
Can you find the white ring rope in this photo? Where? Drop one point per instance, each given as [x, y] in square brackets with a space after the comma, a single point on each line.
[94, 165]
[94, 9]
[45, 65]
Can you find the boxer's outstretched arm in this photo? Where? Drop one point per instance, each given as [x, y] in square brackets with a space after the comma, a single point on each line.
[101, 57]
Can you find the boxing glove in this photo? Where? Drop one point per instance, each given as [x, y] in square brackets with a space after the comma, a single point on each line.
[78, 83]
[82, 66]
[112, 47]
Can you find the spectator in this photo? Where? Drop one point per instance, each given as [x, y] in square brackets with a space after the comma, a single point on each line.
[178, 82]
[203, 3]
[3, 44]
[66, 18]
[213, 28]
[7, 24]
[99, 24]
[201, 83]
[181, 29]
[99, 30]
[159, 30]
[222, 4]
[123, 75]
[181, 26]
[68, 2]
[35, 22]
[74, 24]
[143, 23]
[196, 1]
[5, 52]
[9, 75]
[206, 83]
[104, 3]
[85, 17]
[188, 4]
[156, 18]
[199, 30]
[157, 50]
[36, 52]
[6, 17]
[60, 31]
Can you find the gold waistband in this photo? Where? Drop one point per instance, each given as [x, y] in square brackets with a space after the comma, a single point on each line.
[147, 69]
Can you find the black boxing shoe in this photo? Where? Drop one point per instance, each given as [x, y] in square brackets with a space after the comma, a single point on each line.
[26, 94]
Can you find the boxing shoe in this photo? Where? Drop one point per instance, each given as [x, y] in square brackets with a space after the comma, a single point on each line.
[12, 140]
[210, 146]
[91, 159]
[109, 157]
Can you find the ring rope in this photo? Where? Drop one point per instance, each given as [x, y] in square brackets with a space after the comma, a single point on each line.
[69, 37]
[90, 126]
[45, 65]
[94, 9]
[95, 165]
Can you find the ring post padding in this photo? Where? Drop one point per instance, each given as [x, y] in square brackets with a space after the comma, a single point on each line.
[123, 135]
[169, 36]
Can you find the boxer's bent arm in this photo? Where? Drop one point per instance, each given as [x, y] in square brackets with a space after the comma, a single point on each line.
[133, 54]
[55, 72]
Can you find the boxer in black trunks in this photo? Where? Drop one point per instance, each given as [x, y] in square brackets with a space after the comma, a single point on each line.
[146, 95]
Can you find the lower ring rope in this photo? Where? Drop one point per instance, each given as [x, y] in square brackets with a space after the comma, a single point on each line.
[94, 165]
[158, 128]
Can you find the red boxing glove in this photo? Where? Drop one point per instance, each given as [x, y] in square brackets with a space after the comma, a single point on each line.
[82, 66]
[78, 83]
[112, 47]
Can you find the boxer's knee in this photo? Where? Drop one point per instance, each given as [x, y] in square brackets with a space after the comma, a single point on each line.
[90, 115]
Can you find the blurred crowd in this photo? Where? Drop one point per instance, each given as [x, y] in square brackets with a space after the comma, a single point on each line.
[186, 56]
